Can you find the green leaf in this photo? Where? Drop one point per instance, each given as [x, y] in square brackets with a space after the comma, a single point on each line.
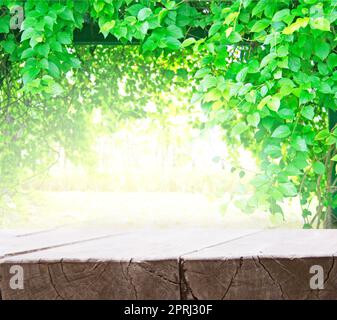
[144, 14]
[281, 132]
[98, 6]
[306, 213]
[67, 14]
[282, 51]
[75, 63]
[322, 49]
[9, 46]
[291, 170]
[214, 28]
[49, 21]
[175, 32]
[29, 52]
[299, 23]
[106, 27]
[264, 90]
[172, 43]
[241, 76]
[267, 59]
[35, 40]
[4, 24]
[149, 45]
[202, 73]
[334, 158]
[308, 112]
[253, 119]
[42, 7]
[121, 31]
[320, 23]
[56, 89]
[278, 75]
[281, 15]
[234, 37]
[318, 167]
[53, 69]
[134, 9]
[263, 102]
[64, 38]
[55, 46]
[231, 17]
[324, 87]
[43, 49]
[170, 5]
[288, 189]
[330, 140]
[144, 27]
[239, 128]
[306, 97]
[294, 63]
[322, 135]
[260, 25]
[299, 144]
[43, 63]
[251, 96]
[332, 60]
[323, 69]
[273, 151]
[287, 114]
[27, 34]
[208, 82]
[213, 95]
[187, 42]
[300, 160]
[273, 103]
[30, 75]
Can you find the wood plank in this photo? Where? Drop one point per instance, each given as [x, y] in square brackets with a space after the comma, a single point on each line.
[152, 244]
[13, 243]
[178, 264]
[140, 265]
[273, 264]
[5, 239]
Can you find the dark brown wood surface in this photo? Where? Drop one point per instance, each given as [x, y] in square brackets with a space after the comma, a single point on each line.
[207, 263]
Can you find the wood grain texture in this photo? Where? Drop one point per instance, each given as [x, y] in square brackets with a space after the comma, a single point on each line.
[15, 243]
[137, 265]
[170, 264]
[270, 265]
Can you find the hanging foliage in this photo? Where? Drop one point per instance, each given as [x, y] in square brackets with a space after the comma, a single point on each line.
[265, 71]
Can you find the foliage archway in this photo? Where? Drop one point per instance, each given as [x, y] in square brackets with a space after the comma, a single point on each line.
[265, 71]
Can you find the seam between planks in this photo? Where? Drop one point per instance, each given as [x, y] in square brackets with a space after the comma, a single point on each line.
[28, 234]
[221, 243]
[183, 285]
[60, 245]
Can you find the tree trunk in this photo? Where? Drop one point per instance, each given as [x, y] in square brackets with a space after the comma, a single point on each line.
[331, 219]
